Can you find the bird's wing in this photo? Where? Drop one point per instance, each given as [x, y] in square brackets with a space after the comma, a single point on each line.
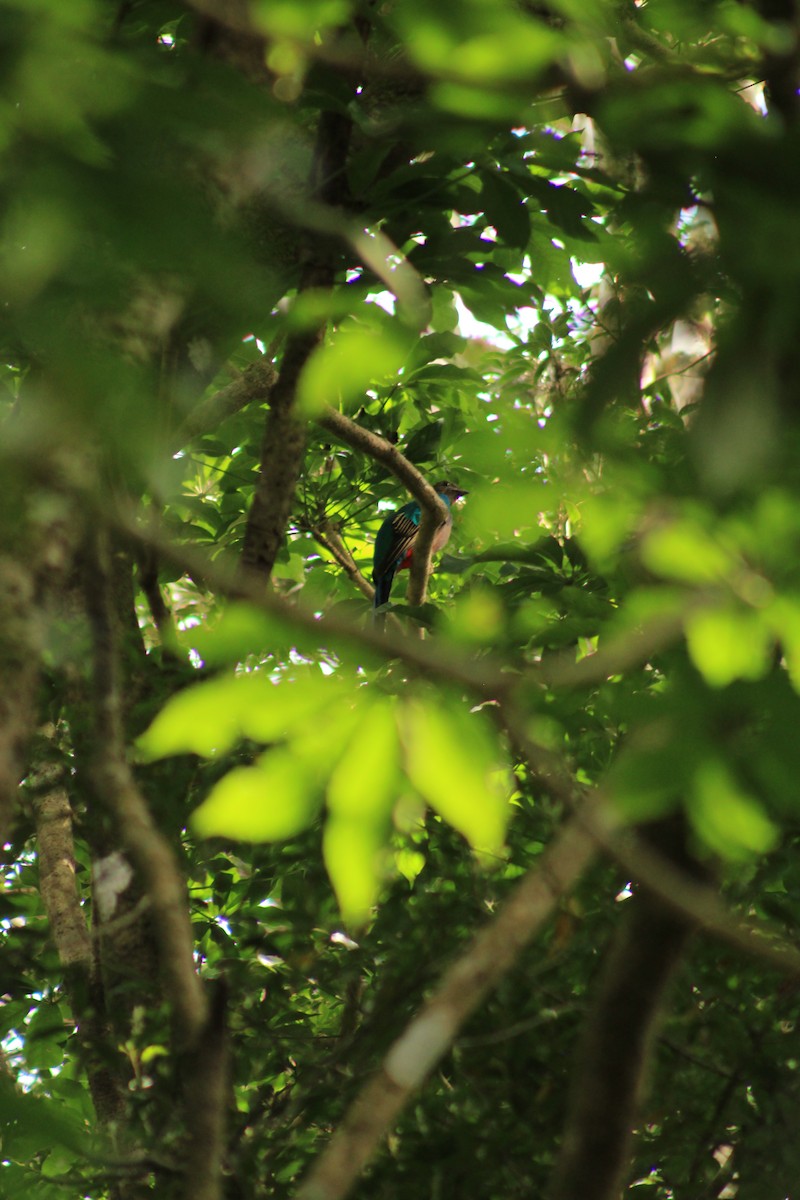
[395, 539]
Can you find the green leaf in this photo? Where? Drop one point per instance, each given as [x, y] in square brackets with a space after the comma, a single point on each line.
[24, 1115]
[506, 511]
[363, 785]
[424, 442]
[355, 854]
[209, 718]
[649, 777]
[239, 631]
[729, 643]
[59, 1161]
[682, 550]
[275, 799]
[452, 761]
[505, 210]
[356, 358]
[728, 820]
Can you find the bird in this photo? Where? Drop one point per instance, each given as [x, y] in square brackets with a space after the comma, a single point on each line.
[394, 545]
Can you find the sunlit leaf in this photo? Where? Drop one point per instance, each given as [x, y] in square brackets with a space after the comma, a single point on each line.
[353, 360]
[728, 643]
[454, 763]
[211, 717]
[364, 781]
[274, 799]
[683, 551]
[354, 857]
[730, 822]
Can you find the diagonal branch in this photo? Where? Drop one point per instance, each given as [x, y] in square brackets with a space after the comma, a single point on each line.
[328, 536]
[252, 386]
[430, 1034]
[434, 510]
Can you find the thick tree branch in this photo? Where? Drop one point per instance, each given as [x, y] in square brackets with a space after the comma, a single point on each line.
[283, 447]
[57, 884]
[430, 1034]
[282, 453]
[149, 851]
[612, 1059]
[208, 1102]
[197, 1022]
[253, 386]
[73, 942]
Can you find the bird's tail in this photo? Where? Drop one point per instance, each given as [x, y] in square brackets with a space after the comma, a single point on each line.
[383, 587]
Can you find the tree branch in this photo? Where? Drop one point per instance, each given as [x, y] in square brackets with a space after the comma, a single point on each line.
[283, 447]
[199, 1025]
[615, 1050]
[73, 942]
[488, 678]
[434, 510]
[493, 951]
[330, 539]
[149, 850]
[253, 386]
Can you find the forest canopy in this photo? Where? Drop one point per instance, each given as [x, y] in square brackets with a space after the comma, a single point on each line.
[491, 891]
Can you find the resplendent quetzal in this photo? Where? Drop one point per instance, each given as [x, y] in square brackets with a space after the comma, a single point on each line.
[394, 545]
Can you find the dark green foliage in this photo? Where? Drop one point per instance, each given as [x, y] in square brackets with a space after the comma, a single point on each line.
[597, 335]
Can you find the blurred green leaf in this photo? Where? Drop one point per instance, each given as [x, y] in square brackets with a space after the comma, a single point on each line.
[729, 821]
[209, 718]
[684, 551]
[729, 643]
[455, 765]
[341, 371]
[276, 798]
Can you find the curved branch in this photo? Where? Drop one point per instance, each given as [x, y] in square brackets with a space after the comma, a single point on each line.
[434, 510]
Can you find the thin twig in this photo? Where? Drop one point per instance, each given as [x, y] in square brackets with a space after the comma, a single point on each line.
[331, 540]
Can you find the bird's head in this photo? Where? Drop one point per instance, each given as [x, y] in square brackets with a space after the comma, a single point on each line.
[449, 491]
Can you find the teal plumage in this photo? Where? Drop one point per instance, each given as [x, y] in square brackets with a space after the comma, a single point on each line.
[394, 545]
